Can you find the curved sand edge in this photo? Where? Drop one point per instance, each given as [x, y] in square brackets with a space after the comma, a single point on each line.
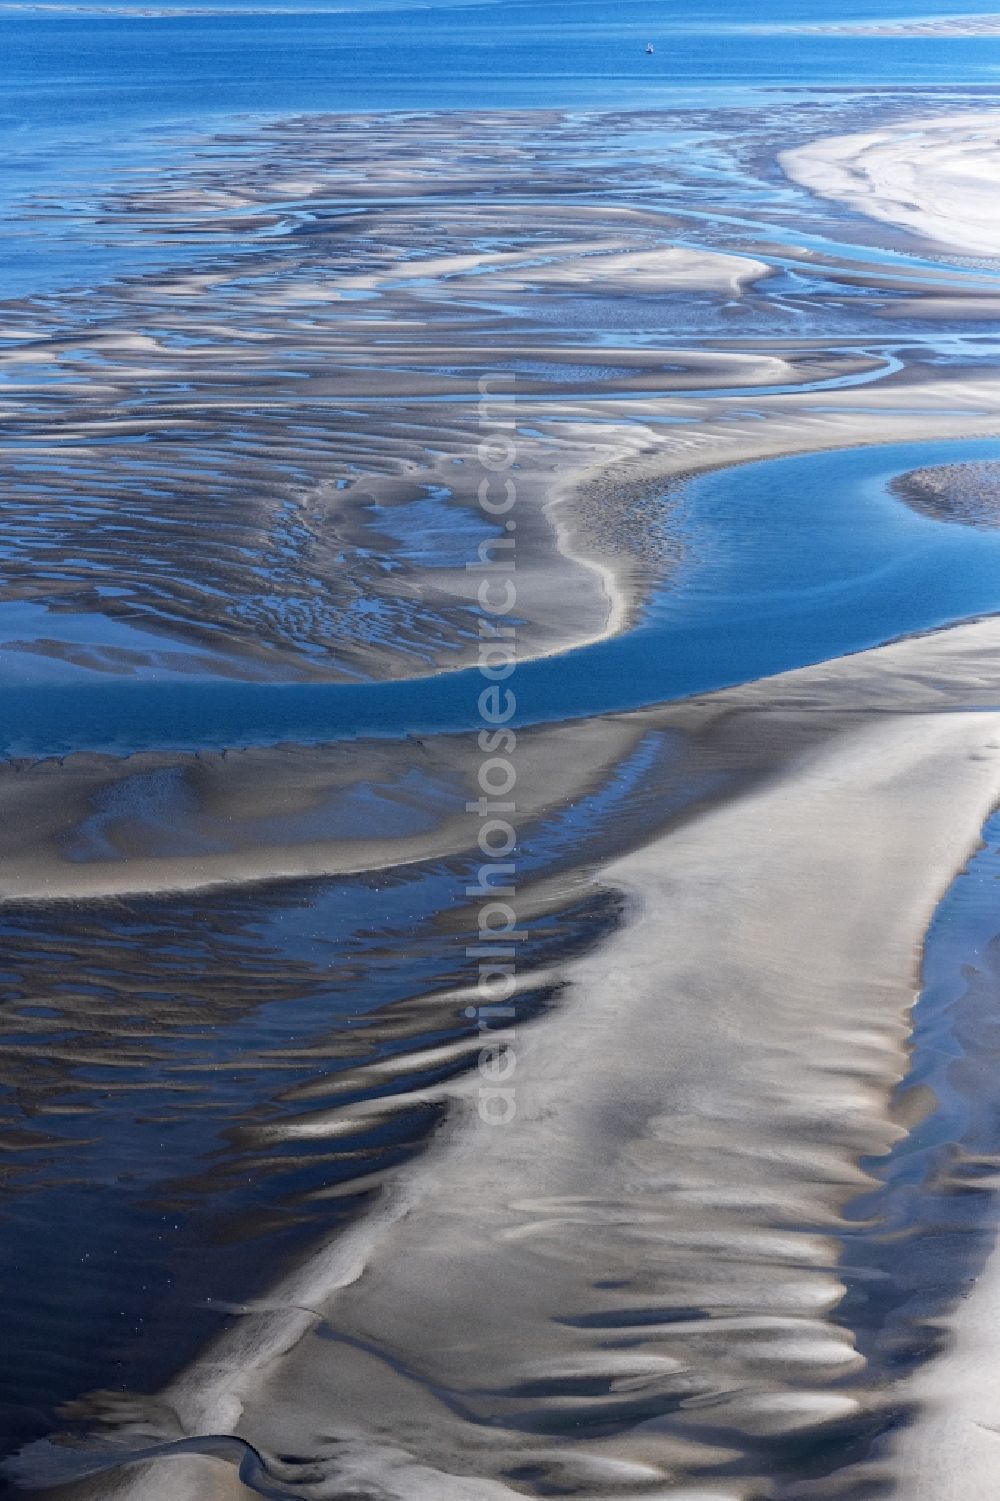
[775, 1026]
[636, 459]
[939, 177]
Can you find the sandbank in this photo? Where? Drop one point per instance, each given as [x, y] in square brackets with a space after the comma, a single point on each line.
[703, 1090]
[938, 177]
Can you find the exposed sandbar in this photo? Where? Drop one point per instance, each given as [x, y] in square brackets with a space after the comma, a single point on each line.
[89, 827]
[324, 404]
[967, 493]
[703, 1091]
[939, 177]
[317, 393]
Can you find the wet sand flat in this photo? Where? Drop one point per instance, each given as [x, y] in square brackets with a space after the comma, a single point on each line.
[329, 288]
[645, 1282]
[700, 1096]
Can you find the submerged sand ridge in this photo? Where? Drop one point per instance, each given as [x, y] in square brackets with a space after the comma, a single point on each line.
[971, 25]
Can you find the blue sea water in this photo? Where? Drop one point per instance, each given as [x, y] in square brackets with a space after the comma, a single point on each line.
[93, 86]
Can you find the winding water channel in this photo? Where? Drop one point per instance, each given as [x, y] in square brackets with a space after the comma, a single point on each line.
[785, 562]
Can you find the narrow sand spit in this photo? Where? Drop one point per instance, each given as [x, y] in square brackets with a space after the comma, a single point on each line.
[689, 1124]
[939, 177]
[89, 827]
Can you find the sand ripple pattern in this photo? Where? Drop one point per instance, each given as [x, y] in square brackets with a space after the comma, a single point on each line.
[262, 461]
[275, 399]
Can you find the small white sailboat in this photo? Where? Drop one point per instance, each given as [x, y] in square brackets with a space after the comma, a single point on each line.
[650, 49]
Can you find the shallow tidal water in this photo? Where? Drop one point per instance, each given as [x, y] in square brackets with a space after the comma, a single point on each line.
[784, 564]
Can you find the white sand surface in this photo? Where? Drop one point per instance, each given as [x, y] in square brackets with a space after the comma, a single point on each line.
[937, 177]
[595, 263]
[703, 1090]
